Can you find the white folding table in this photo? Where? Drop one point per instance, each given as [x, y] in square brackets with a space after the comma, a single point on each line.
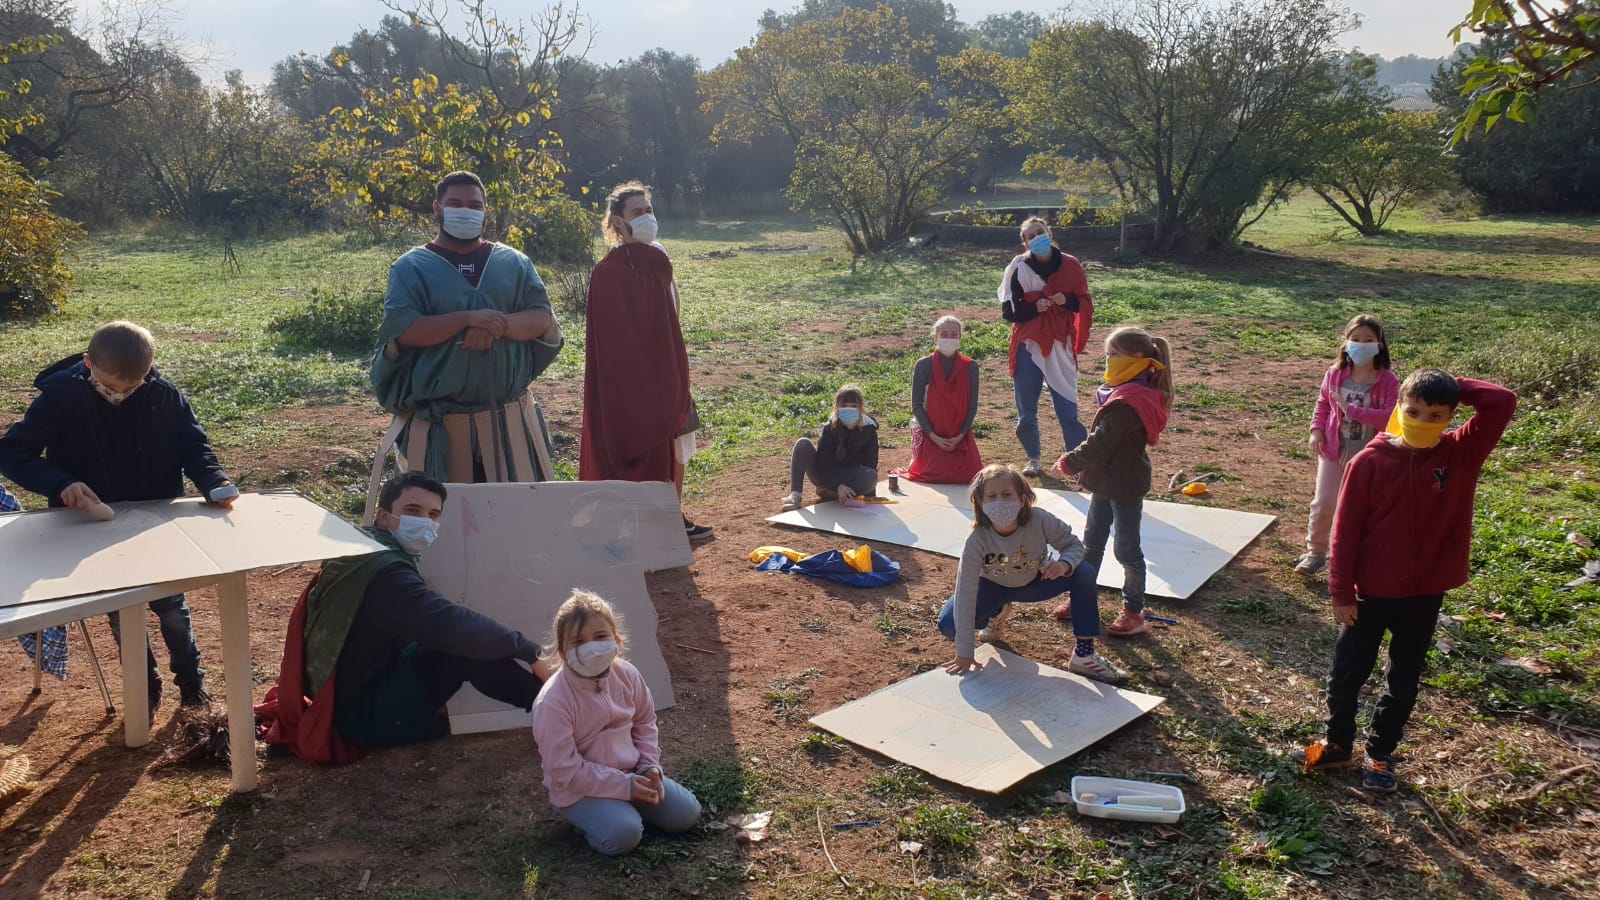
[59, 569]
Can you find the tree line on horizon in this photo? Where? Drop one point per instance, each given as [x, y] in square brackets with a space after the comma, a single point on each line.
[862, 115]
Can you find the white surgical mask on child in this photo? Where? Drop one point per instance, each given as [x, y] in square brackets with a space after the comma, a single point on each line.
[1362, 352]
[1003, 513]
[948, 346]
[849, 415]
[416, 534]
[591, 660]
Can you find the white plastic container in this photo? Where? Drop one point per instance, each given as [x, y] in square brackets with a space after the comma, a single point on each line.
[1105, 792]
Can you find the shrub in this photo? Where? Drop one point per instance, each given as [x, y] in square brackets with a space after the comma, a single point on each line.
[33, 242]
[339, 320]
[563, 235]
[568, 287]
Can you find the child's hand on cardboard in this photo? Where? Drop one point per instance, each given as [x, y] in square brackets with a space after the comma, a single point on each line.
[962, 665]
[78, 495]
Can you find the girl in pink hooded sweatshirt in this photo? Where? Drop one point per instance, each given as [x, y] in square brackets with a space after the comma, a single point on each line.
[595, 725]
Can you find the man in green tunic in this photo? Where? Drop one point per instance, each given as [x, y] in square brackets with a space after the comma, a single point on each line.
[466, 329]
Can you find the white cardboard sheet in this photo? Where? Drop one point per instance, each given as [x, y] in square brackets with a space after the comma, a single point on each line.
[989, 729]
[1184, 544]
[51, 554]
[515, 551]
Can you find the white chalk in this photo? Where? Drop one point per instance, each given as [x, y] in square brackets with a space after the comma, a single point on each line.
[100, 511]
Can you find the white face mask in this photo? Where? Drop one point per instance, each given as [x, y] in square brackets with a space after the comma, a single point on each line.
[1362, 352]
[114, 398]
[645, 228]
[1003, 513]
[947, 346]
[591, 660]
[461, 223]
[416, 533]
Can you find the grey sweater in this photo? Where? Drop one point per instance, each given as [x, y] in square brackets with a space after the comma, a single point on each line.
[1010, 560]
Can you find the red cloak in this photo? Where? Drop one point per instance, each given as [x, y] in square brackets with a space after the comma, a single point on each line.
[636, 369]
[946, 406]
[288, 716]
[1056, 323]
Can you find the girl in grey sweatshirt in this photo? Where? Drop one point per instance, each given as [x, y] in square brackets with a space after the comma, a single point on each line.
[1008, 559]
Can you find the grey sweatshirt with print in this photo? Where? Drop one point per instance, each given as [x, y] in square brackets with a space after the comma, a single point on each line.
[1010, 560]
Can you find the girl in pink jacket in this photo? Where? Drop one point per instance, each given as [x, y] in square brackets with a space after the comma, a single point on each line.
[595, 725]
[1358, 393]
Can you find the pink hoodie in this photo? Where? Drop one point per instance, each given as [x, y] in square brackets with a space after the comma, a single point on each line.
[594, 734]
[1327, 416]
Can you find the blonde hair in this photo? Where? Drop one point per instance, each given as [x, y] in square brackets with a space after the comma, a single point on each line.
[1131, 339]
[847, 394]
[1000, 470]
[942, 321]
[619, 197]
[582, 607]
[122, 350]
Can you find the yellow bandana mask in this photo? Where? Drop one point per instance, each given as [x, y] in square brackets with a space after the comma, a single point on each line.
[1123, 369]
[1414, 432]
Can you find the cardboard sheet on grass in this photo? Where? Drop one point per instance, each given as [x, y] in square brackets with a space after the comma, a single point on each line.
[988, 729]
[1183, 544]
[52, 554]
[514, 551]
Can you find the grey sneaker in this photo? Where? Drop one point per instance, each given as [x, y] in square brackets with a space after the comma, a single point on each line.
[1310, 564]
[1031, 470]
[991, 631]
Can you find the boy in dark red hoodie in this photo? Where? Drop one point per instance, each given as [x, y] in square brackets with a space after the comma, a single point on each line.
[1401, 538]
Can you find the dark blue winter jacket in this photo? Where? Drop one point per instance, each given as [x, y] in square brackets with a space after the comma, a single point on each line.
[139, 450]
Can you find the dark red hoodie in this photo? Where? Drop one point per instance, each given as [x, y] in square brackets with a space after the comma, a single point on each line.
[1404, 521]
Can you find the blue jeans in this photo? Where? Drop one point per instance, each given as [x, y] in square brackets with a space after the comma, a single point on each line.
[1026, 387]
[992, 595]
[178, 634]
[615, 827]
[1106, 515]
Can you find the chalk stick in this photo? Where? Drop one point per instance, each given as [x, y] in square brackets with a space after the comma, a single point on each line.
[1160, 801]
[100, 511]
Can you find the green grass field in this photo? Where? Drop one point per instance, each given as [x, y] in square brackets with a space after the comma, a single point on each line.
[776, 326]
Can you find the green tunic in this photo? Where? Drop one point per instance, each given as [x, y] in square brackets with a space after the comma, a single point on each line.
[427, 383]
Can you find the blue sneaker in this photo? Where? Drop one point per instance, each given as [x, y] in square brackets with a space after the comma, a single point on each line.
[1380, 774]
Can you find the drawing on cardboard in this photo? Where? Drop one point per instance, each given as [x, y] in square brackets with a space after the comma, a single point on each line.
[989, 729]
[515, 551]
[1183, 544]
[59, 553]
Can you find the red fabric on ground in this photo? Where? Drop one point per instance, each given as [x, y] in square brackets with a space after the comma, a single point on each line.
[286, 716]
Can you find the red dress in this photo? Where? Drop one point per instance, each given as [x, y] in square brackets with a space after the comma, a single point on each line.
[946, 406]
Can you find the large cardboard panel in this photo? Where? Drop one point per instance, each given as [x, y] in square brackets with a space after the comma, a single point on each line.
[515, 551]
[51, 554]
[1184, 544]
[988, 729]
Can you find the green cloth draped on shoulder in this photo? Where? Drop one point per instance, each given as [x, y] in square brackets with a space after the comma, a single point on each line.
[336, 598]
[446, 378]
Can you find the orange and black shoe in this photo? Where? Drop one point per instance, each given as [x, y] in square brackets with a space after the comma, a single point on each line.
[1323, 757]
[1380, 774]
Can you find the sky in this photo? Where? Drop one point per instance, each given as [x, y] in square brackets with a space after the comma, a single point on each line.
[251, 35]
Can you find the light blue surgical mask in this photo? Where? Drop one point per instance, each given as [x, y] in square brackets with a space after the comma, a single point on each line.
[1040, 244]
[849, 415]
[461, 223]
[1362, 352]
[416, 533]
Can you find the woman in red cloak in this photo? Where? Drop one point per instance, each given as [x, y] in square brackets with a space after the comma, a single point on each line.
[638, 417]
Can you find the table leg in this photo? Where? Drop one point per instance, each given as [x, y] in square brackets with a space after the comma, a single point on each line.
[232, 597]
[135, 676]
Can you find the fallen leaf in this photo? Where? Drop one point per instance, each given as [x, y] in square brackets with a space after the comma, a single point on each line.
[1060, 798]
[911, 847]
[752, 826]
[1445, 645]
[1580, 539]
[1528, 664]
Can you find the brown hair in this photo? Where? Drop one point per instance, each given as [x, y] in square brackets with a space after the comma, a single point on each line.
[1033, 220]
[1380, 361]
[1132, 339]
[122, 350]
[1000, 470]
[847, 394]
[582, 607]
[619, 197]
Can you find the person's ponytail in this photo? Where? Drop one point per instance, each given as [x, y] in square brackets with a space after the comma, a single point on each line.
[1163, 379]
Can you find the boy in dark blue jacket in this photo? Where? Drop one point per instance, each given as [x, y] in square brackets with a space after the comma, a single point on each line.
[106, 427]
